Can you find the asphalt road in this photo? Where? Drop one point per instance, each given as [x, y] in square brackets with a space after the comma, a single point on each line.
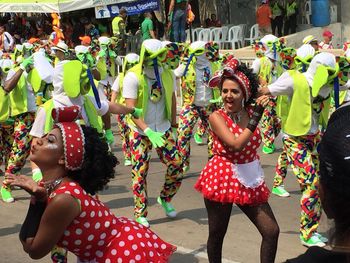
[189, 230]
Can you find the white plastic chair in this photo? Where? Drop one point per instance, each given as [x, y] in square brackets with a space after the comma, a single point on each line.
[188, 35]
[224, 30]
[333, 10]
[204, 35]
[232, 39]
[215, 35]
[195, 33]
[307, 12]
[242, 33]
[253, 35]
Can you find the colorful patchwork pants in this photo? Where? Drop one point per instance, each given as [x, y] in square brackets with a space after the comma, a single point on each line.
[18, 142]
[201, 129]
[141, 148]
[124, 134]
[303, 157]
[5, 146]
[270, 124]
[281, 168]
[187, 119]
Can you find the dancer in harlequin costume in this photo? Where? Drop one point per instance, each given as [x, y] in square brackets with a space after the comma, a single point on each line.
[107, 63]
[267, 67]
[22, 110]
[196, 72]
[306, 109]
[63, 210]
[151, 87]
[130, 60]
[6, 122]
[234, 175]
[301, 63]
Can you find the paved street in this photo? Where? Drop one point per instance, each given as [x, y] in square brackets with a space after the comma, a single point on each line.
[189, 230]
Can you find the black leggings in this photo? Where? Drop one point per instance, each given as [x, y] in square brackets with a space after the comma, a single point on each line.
[261, 216]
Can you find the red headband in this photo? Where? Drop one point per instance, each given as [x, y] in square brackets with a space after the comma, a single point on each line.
[230, 70]
[72, 134]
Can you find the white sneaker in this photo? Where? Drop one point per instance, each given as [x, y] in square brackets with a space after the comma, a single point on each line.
[143, 221]
[322, 238]
[168, 208]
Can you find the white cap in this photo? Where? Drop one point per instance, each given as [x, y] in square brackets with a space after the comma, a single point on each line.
[6, 63]
[27, 45]
[305, 50]
[61, 46]
[132, 58]
[81, 49]
[152, 45]
[104, 40]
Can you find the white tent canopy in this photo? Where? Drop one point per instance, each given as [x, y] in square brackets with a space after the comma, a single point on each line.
[49, 6]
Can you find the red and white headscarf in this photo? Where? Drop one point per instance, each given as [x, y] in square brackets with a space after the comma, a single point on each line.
[72, 134]
[230, 71]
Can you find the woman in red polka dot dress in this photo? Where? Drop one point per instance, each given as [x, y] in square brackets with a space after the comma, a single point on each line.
[76, 164]
[234, 174]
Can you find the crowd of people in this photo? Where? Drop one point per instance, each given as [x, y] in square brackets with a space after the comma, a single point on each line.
[56, 104]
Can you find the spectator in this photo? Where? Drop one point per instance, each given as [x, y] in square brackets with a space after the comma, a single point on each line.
[213, 21]
[277, 10]
[177, 16]
[147, 27]
[327, 40]
[263, 18]
[312, 41]
[7, 42]
[90, 29]
[118, 28]
[158, 26]
[290, 24]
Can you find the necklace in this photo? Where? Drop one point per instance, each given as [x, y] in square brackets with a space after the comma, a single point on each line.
[235, 116]
[49, 186]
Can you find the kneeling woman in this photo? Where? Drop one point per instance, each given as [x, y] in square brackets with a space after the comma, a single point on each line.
[234, 175]
[76, 164]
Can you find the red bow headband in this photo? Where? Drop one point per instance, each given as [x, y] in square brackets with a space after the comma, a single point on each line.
[230, 71]
[72, 134]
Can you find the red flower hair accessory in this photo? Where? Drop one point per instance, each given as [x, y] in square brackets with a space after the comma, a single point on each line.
[72, 134]
[230, 71]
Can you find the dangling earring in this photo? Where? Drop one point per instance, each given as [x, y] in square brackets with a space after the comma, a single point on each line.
[242, 104]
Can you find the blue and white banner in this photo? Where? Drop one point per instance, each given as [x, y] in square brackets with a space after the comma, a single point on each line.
[132, 8]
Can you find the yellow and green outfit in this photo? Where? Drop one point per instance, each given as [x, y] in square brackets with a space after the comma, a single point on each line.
[191, 111]
[153, 99]
[290, 24]
[19, 105]
[270, 123]
[298, 116]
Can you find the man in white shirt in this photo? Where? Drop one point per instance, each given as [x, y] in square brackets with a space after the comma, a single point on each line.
[308, 100]
[150, 86]
[7, 42]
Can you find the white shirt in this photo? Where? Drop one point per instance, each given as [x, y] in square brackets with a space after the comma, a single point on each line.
[115, 86]
[203, 91]
[38, 129]
[31, 105]
[155, 115]
[323, 45]
[284, 85]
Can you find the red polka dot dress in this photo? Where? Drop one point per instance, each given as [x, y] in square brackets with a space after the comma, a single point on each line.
[234, 177]
[97, 235]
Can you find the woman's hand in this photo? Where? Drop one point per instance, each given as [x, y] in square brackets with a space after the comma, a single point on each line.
[263, 100]
[27, 184]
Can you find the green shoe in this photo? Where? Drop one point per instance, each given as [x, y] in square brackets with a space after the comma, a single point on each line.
[168, 208]
[313, 241]
[127, 162]
[6, 194]
[280, 191]
[198, 139]
[143, 221]
[268, 150]
[185, 168]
